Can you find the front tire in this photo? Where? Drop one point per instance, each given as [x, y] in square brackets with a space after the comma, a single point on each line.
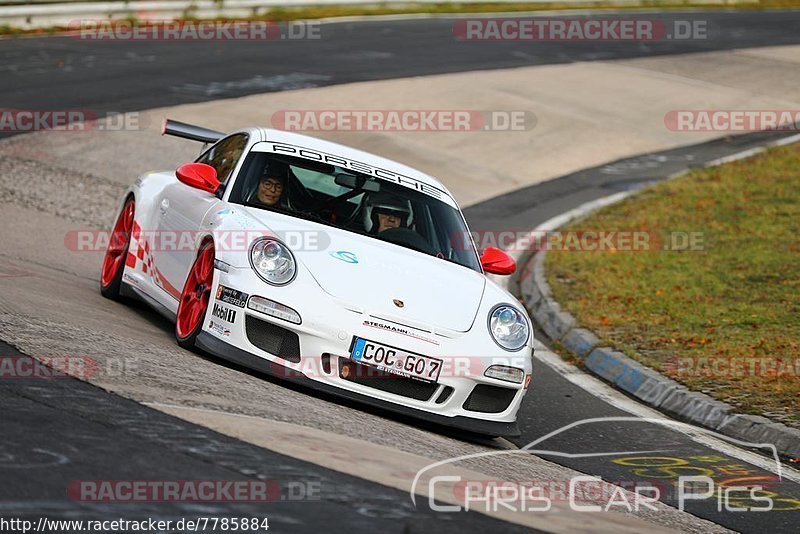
[117, 252]
[195, 297]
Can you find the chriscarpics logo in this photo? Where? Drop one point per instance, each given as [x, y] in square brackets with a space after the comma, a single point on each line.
[676, 475]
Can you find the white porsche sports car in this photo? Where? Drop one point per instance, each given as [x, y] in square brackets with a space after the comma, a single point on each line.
[328, 266]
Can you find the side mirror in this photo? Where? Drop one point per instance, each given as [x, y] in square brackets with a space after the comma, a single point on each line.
[199, 175]
[495, 261]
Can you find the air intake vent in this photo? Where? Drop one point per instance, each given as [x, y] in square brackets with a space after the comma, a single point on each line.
[444, 395]
[388, 382]
[489, 399]
[273, 339]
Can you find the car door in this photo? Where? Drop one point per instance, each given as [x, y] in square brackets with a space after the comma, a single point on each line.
[182, 210]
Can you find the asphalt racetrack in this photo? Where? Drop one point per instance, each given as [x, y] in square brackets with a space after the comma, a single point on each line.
[62, 430]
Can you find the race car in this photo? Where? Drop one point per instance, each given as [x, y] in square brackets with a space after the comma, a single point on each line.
[330, 266]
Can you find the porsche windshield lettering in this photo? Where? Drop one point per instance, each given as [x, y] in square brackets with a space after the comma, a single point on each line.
[329, 191]
[358, 166]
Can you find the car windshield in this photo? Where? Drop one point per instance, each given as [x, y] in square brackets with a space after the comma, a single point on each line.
[356, 202]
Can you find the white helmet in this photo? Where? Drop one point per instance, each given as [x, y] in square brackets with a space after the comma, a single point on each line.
[389, 204]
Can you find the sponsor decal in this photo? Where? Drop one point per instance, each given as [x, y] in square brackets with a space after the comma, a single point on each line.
[226, 314]
[387, 327]
[398, 330]
[231, 296]
[344, 255]
[219, 329]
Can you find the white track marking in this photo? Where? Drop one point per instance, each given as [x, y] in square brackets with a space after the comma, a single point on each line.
[618, 400]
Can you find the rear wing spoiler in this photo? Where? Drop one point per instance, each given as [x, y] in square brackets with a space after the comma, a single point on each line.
[190, 131]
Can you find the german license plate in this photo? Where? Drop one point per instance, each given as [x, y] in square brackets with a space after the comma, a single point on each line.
[396, 361]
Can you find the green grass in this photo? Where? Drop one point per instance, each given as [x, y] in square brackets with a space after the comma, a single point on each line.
[738, 297]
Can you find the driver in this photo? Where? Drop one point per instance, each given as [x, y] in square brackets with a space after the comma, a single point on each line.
[271, 185]
[384, 211]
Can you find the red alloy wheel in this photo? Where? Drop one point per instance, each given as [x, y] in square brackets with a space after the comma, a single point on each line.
[196, 293]
[118, 244]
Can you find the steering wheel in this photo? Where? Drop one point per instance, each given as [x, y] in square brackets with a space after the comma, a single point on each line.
[356, 211]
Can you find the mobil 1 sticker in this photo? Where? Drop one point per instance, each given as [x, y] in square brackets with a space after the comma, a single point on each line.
[231, 296]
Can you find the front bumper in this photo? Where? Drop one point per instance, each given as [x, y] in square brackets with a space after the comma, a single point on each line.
[217, 347]
[320, 348]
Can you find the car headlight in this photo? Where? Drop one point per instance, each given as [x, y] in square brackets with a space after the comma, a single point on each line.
[272, 261]
[509, 327]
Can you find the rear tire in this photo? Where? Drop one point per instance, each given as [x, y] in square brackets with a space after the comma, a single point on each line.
[117, 252]
[195, 297]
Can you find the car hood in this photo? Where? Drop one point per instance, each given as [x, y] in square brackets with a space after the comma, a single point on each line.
[370, 275]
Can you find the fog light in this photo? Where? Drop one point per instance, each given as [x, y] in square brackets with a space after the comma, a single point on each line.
[506, 374]
[273, 309]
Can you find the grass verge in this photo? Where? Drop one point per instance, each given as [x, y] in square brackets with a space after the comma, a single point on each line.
[723, 318]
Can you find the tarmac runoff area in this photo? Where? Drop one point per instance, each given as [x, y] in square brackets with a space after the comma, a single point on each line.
[586, 114]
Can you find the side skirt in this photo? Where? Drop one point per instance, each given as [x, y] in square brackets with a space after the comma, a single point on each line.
[128, 290]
